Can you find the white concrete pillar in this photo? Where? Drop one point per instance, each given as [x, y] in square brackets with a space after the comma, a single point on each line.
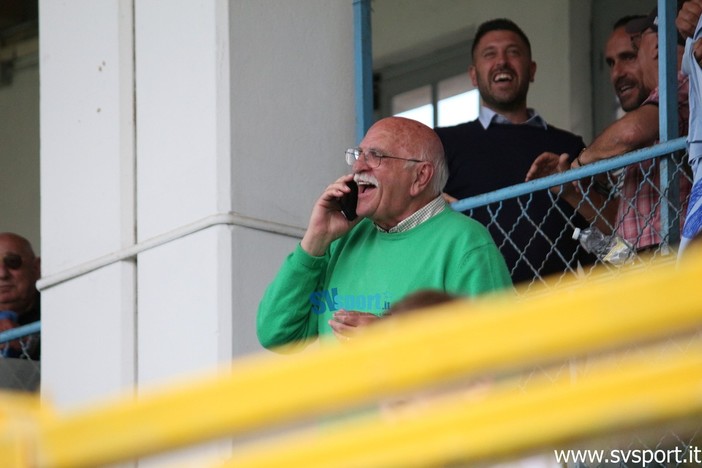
[87, 197]
[183, 145]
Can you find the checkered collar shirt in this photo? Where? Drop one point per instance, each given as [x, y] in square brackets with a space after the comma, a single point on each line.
[425, 213]
[489, 116]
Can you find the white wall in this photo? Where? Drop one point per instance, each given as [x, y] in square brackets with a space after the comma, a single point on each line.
[292, 117]
[182, 125]
[292, 103]
[183, 145]
[87, 189]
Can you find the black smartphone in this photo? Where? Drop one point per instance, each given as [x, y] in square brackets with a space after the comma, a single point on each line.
[349, 200]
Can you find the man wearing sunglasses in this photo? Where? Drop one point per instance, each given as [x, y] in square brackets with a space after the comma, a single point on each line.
[348, 271]
[20, 269]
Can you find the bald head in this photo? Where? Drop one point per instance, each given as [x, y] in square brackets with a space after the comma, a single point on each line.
[411, 136]
[19, 242]
[412, 139]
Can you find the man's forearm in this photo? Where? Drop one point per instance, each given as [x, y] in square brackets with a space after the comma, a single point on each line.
[637, 129]
[285, 313]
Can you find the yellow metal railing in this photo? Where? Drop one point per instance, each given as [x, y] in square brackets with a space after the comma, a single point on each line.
[506, 422]
[496, 335]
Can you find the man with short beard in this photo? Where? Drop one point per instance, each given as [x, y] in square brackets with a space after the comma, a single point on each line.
[624, 71]
[348, 271]
[496, 150]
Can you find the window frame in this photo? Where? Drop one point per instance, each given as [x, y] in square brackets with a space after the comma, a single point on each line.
[427, 69]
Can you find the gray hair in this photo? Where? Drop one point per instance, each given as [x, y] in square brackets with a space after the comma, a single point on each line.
[438, 160]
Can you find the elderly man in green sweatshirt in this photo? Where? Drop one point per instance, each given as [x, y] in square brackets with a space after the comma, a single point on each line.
[346, 273]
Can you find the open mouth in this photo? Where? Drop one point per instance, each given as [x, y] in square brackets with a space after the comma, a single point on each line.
[624, 89]
[623, 86]
[364, 188]
[365, 184]
[503, 77]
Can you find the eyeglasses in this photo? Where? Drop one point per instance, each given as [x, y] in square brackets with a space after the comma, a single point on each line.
[12, 261]
[372, 157]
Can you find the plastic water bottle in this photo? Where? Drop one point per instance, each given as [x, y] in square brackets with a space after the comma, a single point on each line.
[612, 249]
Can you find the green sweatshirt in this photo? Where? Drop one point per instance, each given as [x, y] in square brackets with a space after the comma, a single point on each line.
[368, 270]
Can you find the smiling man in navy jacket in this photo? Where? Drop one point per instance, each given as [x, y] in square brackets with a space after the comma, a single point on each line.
[497, 149]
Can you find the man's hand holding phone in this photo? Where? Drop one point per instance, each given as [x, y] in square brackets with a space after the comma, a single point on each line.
[349, 201]
[327, 222]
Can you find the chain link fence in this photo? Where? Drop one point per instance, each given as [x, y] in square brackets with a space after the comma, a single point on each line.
[19, 353]
[640, 197]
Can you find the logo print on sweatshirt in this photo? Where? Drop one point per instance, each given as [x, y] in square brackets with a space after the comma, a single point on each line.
[331, 300]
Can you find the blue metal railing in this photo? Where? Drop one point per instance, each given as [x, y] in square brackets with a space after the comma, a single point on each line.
[570, 176]
[20, 332]
[668, 111]
[16, 372]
